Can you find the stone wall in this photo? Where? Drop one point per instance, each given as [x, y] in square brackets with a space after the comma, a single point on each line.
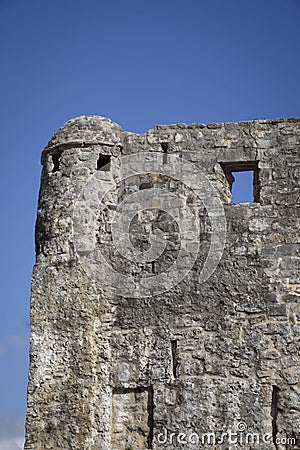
[124, 355]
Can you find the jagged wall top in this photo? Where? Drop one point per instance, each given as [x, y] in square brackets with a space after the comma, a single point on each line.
[86, 131]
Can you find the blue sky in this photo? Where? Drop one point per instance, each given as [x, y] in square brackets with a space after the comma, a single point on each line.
[141, 63]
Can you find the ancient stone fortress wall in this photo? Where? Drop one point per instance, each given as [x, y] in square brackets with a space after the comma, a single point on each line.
[163, 315]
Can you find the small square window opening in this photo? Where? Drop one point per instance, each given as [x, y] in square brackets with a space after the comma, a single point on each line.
[243, 180]
[103, 163]
[242, 187]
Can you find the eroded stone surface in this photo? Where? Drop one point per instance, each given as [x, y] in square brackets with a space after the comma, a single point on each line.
[119, 372]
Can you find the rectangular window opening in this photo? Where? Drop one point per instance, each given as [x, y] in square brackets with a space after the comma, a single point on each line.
[174, 357]
[103, 163]
[55, 162]
[274, 412]
[165, 147]
[243, 180]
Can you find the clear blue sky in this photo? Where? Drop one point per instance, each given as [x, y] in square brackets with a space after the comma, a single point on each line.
[141, 63]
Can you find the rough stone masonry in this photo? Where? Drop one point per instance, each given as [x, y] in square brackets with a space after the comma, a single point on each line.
[130, 347]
